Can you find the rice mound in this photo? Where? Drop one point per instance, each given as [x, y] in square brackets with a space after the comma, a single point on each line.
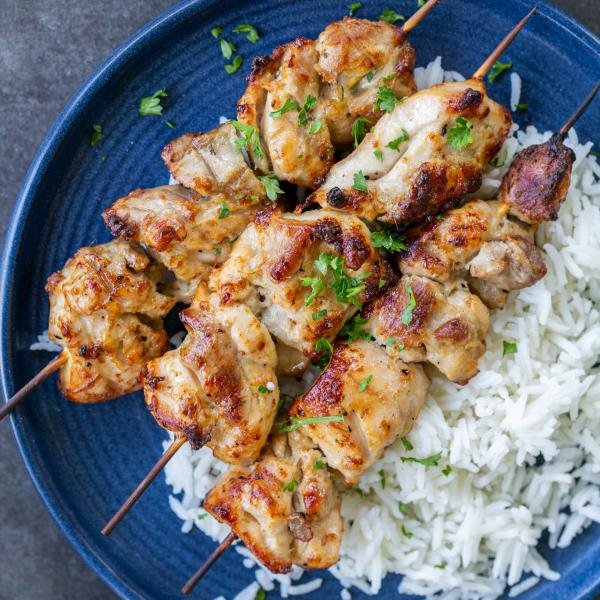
[520, 455]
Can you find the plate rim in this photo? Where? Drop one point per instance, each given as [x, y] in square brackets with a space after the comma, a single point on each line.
[73, 107]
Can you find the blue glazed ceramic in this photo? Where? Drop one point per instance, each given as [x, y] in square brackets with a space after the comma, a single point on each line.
[85, 460]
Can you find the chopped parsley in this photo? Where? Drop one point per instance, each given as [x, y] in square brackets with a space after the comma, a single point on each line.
[359, 129]
[407, 315]
[360, 183]
[391, 16]
[97, 134]
[382, 478]
[309, 104]
[353, 330]
[395, 143]
[378, 155]
[150, 105]
[234, 65]
[364, 384]
[315, 126]
[271, 185]
[224, 212]
[323, 345]
[290, 486]
[260, 594]
[316, 284]
[500, 159]
[319, 464]
[288, 106]
[319, 314]
[440, 566]
[295, 422]
[227, 48]
[249, 30]
[522, 106]
[509, 348]
[346, 288]
[421, 3]
[388, 241]
[169, 124]
[447, 470]
[388, 77]
[353, 7]
[216, 31]
[201, 516]
[381, 284]
[263, 389]
[428, 461]
[407, 444]
[402, 507]
[460, 135]
[406, 532]
[371, 75]
[250, 138]
[497, 69]
[390, 342]
[386, 99]
[217, 250]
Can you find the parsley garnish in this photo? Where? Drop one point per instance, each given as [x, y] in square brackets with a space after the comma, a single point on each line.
[395, 143]
[381, 284]
[428, 461]
[150, 105]
[260, 594]
[97, 134]
[407, 315]
[496, 160]
[407, 444]
[364, 384]
[509, 348]
[316, 284]
[371, 75]
[522, 106]
[382, 478]
[249, 30]
[390, 342]
[323, 345]
[391, 16]
[346, 288]
[227, 48]
[295, 422]
[309, 104]
[406, 532]
[224, 212]
[378, 155]
[290, 486]
[250, 138]
[359, 129]
[319, 314]
[319, 464]
[353, 7]
[388, 241]
[460, 135]
[288, 105]
[497, 69]
[447, 470]
[402, 507]
[201, 516]
[217, 250]
[353, 330]
[169, 124]
[440, 566]
[360, 183]
[315, 126]
[421, 3]
[440, 217]
[235, 64]
[263, 389]
[271, 185]
[386, 99]
[216, 31]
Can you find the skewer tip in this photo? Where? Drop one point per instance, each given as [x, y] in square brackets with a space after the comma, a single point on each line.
[562, 132]
[419, 15]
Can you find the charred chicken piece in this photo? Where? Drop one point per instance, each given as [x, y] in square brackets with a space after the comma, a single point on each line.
[106, 312]
[425, 154]
[302, 275]
[284, 507]
[219, 387]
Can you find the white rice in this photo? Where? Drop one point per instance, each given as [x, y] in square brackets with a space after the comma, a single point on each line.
[43, 343]
[515, 90]
[472, 532]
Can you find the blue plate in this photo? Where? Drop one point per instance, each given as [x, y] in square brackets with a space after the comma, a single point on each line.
[85, 460]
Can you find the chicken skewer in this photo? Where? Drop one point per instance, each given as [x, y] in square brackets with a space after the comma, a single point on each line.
[550, 196]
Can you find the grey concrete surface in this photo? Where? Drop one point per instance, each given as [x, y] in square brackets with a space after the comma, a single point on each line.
[47, 48]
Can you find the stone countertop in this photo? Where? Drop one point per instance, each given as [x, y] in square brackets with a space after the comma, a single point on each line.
[38, 42]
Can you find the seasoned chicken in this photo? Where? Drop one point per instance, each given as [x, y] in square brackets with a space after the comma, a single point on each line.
[284, 507]
[106, 313]
[378, 396]
[187, 233]
[302, 275]
[421, 320]
[219, 387]
[424, 155]
[356, 58]
[212, 163]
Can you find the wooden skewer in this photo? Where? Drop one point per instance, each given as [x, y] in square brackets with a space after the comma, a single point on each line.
[416, 18]
[143, 485]
[502, 46]
[562, 132]
[55, 364]
[210, 561]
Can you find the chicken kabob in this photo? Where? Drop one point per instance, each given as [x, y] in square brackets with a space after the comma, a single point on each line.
[241, 280]
[349, 416]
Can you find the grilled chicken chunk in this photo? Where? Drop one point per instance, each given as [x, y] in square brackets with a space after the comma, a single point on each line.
[212, 163]
[426, 321]
[219, 387]
[106, 312]
[357, 57]
[281, 258]
[374, 414]
[187, 233]
[284, 507]
[411, 169]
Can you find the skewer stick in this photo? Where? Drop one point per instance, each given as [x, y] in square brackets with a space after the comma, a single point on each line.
[143, 485]
[415, 19]
[562, 132]
[210, 561]
[502, 46]
[55, 364]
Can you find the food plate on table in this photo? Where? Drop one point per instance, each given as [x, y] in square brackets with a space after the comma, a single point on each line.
[512, 448]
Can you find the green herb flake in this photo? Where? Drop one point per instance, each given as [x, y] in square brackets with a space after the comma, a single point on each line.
[290, 486]
[390, 342]
[249, 30]
[407, 444]
[447, 470]
[378, 155]
[260, 594]
[522, 106]
[497, 69]
[97, 134]
[103, 157]
[388, 241]
[382, 478]
[509, 348]
[389, 77]
[381, 284]
[217, 250]
[271, 185]
[308, 106]
[353, 7]
[287, 106]
[224, 212]
[323, 345]
[460, 136]
[428, 461]
[421, 3]
[346, 288]
[234, 65]
[439, 217]
[295, 422]
[391, 16]
[406, 533]
[500, 159]
[216, 31]
[227, 48]
[315, 126]
[371, 75]
[319, 314]
[263, 389]
[407, 315]
[353, 330]
[319, 465]
[360, 183]
[201, 516]
[394, 144]
[316, 284]
[402, 507]
[359, 129]
[364, 384]
[386, 99]
[250, 138]
[440, 566]
[169, 124]
[150, 105]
